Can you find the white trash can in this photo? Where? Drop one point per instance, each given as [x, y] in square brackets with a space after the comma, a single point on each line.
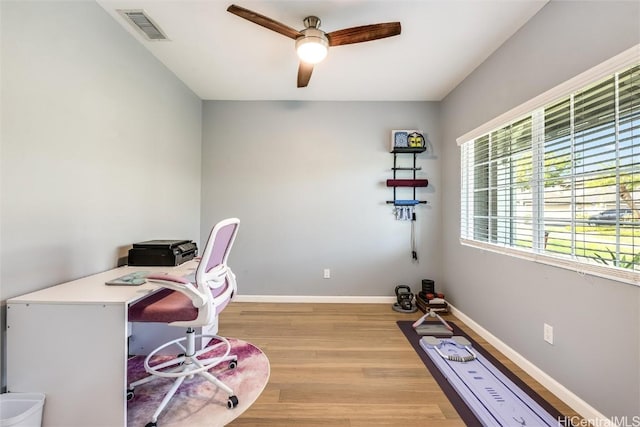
[21, 409]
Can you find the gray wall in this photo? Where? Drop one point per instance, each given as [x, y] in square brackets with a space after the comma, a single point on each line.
[100, 146]
[307, 179]
[596, 322]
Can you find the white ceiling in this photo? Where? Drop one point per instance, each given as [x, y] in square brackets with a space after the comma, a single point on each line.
[221, 56]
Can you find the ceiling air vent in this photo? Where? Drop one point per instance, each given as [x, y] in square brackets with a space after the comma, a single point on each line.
[143, 24]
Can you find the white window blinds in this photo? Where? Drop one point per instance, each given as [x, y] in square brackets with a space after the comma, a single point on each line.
[561, 183]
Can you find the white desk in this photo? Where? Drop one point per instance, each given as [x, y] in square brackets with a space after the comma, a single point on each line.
[70, 342]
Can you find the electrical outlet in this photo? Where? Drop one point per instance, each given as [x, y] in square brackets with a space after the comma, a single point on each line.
[327, 273]
[548, 333]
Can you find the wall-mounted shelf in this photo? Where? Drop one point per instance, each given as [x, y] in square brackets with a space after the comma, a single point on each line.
[406, 202]
[406, 169]
[409, 149]
[407, 143]
[409, 182]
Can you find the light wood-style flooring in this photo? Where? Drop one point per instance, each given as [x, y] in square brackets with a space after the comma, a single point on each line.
[345, 365]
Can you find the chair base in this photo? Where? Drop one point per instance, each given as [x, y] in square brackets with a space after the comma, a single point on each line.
[186, 365]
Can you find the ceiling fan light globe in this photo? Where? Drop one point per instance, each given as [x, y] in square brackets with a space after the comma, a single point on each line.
[312, 47]
[311, 52]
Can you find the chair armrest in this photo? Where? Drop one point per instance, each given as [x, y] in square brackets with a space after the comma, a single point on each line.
[216, 277]
[179, 284]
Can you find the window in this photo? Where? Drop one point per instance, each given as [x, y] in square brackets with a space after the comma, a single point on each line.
[561, 183]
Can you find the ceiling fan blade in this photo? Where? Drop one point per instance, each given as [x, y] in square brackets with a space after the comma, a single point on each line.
[364, 33]
[264, 21]
[304, 73]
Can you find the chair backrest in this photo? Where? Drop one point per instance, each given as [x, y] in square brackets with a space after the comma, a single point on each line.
[217, 249]
[213, 271]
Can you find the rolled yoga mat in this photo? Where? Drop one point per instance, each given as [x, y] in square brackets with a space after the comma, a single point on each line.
[407, 182]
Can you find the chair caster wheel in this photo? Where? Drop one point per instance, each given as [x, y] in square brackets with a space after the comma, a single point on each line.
[232, 402]
[130, 394]
[233, 364]
[151, 424]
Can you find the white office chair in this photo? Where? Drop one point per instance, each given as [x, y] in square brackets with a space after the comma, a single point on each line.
[183, 303]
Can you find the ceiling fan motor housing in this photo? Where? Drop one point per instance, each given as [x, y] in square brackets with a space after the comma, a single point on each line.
[311, 22]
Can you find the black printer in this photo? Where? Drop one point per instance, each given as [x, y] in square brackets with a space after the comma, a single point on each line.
[162, 252]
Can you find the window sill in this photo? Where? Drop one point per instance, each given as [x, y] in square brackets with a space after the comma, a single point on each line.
[612, 273]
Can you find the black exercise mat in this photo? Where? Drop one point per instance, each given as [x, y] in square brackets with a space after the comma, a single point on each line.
[460, 406]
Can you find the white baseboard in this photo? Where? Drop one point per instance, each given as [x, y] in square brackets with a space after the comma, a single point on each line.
[316, 299]
[585, 410]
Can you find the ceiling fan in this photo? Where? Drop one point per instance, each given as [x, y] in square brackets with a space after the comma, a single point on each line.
[312, 43]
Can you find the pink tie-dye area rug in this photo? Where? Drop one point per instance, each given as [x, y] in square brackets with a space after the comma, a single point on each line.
[198, 402]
